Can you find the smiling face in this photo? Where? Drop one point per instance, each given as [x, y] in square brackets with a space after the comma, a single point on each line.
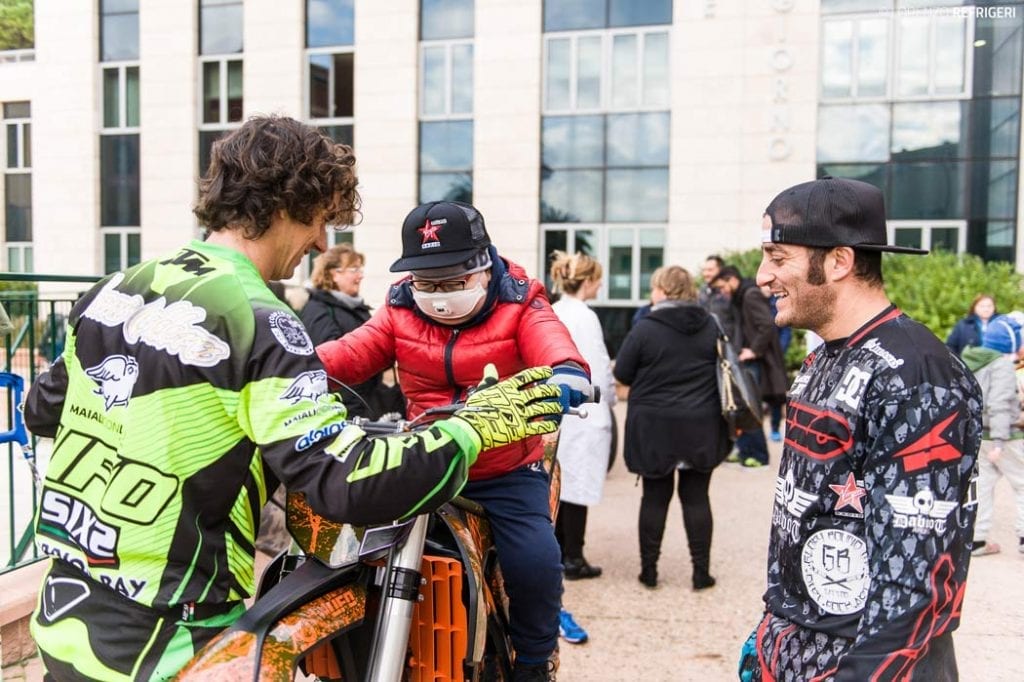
[804, 297]
[288, 241]
[347, 278]
[984, 308]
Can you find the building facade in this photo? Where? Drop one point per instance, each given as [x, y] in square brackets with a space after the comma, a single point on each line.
[642, 131]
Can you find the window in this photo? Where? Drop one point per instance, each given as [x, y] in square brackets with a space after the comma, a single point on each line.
[18, 186]
[606, 71]
[574, 15]
[446, 100]
[933, 59]
[119, 181]
[121, 249]
[855, 58]
[119, 30]
[121, 97]
[630, 255]
[945, 235]
[330, 67]
[220, 81]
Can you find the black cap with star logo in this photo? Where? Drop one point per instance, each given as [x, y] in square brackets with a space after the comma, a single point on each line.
[441, 234]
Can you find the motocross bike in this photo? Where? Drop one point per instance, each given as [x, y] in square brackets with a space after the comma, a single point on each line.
[421, 599]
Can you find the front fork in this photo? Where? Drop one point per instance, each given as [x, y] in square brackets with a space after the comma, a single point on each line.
[388, 656]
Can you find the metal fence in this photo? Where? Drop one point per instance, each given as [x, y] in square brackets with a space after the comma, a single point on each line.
[38, 307]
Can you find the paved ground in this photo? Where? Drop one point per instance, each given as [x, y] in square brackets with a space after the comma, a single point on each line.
[672, 633]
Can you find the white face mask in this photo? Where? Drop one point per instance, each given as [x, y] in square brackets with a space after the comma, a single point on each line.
[442, 305]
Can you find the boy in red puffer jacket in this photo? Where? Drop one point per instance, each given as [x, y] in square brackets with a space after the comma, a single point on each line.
[462, 307]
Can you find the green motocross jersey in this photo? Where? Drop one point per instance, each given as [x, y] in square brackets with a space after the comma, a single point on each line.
[185, 387]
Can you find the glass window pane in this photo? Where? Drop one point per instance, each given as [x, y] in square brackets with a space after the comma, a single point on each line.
[638, 139]
[111, 98]
[329, 22]
[872, 57]
[343, 77]
[950, 45]
[993, 189]
[26, 140]
[446, 187]
[554, 240]
[557, 73]
[17, 109]
[923, 130]
[134, 248]
[572, 142]
[945, 239]
[462, 79]
[319, 85]
[912, 73]
[211, 92]
[908, 236]
[875, 174]
[625, 74]
[120, 37]
[12, 145]
[206, 140]
[853, 133]
[446, 145]
[997, 55]
[652, 257]
[588, 72]
[572, 197]
[845, 6]
[27, 259]
[434, 81]
[18, 199]
[927, 190]
[220, 28]
[996, 127]
[637, 195]
[633, 13]
[117, 6]
[584, 241]
[836, 58]
[235, 90]
[119, 180]
[999, 240]
[442, 19]
[566, 15]
[340, 133]
[111, 253]
[620, 264]
[132, 96]
[656, 78]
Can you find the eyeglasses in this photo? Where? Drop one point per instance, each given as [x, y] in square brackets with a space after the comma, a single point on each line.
[446, 286]
[351, 270]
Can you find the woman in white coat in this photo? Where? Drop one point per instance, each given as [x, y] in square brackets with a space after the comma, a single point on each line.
[583, 444]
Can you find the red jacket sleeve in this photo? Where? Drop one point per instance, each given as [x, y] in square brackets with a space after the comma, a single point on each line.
[362, 353]
[542, 338]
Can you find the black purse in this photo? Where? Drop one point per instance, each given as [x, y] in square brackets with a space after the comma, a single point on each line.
[739, 393]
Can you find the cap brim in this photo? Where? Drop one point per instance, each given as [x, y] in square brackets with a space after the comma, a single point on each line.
[427, 261]
[891, 249]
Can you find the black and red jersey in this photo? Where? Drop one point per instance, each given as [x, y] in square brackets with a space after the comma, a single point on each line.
[873, 517]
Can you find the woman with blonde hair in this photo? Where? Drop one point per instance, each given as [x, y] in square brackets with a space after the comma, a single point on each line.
[674, 423]
[334, 309]
[583, 443]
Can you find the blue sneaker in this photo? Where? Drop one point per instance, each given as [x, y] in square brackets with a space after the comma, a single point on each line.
[569, 629]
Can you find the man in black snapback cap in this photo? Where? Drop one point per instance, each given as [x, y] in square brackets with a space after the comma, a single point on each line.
[461, 307]
[872, 524]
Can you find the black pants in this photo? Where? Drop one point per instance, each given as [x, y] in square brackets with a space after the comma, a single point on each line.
[570, 528]
[693, 494]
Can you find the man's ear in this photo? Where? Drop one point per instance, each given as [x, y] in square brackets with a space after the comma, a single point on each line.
[840, 263]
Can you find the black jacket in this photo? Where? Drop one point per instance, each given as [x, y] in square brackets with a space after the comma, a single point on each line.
[327, 318]
[674, 415]
[760, 335]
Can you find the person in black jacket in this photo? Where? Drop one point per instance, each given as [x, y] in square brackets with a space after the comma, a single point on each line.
[334, 309]
[760, 352]
[673, 421]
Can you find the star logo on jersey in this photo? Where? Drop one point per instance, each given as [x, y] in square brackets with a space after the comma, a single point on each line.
[429, 232]
[850, 494]
[932, 446]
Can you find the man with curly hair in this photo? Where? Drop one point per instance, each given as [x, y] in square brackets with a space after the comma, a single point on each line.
[187, 390]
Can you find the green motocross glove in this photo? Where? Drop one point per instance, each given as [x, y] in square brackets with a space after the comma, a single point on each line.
[503, 412]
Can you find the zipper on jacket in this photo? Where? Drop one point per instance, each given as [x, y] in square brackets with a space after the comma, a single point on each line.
[449, 369]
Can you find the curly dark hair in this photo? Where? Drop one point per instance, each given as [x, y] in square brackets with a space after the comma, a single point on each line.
[276, 162]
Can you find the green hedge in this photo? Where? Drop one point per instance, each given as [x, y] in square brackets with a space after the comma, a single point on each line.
[935, 290]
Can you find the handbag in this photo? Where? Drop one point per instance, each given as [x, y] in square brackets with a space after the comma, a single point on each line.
[739, 393]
